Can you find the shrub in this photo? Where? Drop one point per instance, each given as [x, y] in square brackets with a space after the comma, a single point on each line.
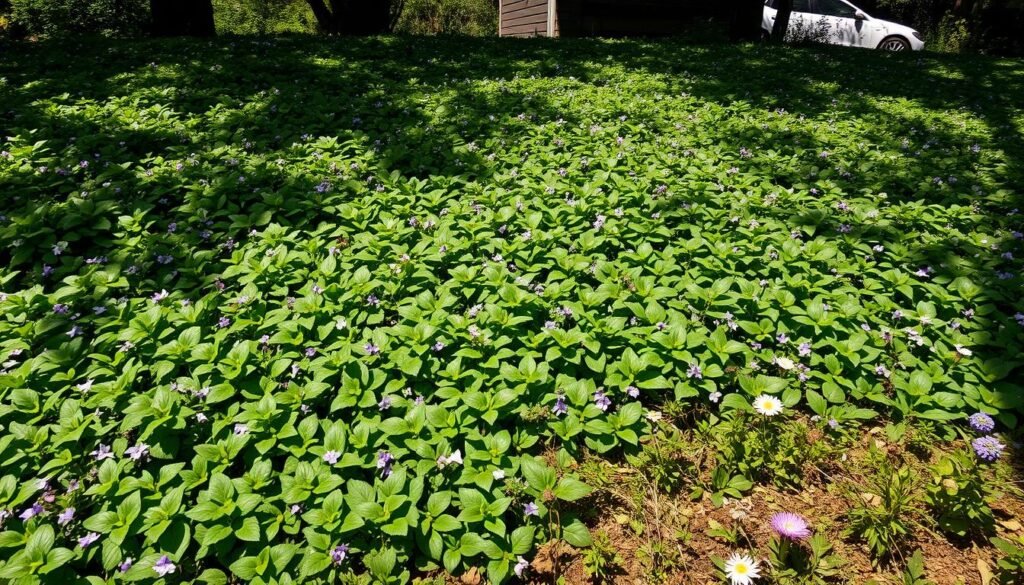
[263, 16]
[106, 17]
[466, 17]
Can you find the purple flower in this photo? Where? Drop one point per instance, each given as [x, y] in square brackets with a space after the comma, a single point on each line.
[373, 301]
[782, 338]
[127, 564]
[987, 448]
[371, 349]
[601, 400]
[331, 457]
[310, 351]
[695, 372]
[384, 404]
[32, 511]
[384, 461]
[789, 525]
[982, 422]
[88, 539]
[560, 406]
[157, 297]
[102, 452]
[521, 565]
[632, 391]
[164, 566]
[339, 553]
[223, 322]
[137, 452]
[66, 516]
[804, 350]
[438, 346]
[531, 509]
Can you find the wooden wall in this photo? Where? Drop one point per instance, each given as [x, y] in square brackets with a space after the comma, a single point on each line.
[525, 18]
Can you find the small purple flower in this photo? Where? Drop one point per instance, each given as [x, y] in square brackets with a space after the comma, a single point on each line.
[897, 315]
[32, 511]
[102, 452]
[339, 553]
[791, 526]
[127, 564]
[223, 322]
[695, 372]
[531, 509]
[988, 448]
[241, 429]
[310, 351]
[137, 452]
[804, 350]
[371, 349]
[632, 391]
[66, 516]
[373, 301]
[264, 339]
[982, 422]
[782, 338]
[560, 406]
[521, 566]
[331, 457]
[384, 404]
[601, 400]
[88, 539]
[164, 566]
[438, 346]
[75, 331]
[157, 297]
[384, 461]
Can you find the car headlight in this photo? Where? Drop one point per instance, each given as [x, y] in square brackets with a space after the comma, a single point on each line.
[917, 35]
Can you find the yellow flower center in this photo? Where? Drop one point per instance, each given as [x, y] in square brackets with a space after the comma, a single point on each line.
[741, 569]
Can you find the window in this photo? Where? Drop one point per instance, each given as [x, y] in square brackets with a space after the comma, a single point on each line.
[801, 6]
[834, 8]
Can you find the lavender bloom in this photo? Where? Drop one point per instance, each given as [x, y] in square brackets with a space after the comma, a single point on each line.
[804, 350]
[602, 401]
[102, 452]
[695, 372]
[982, 422]
[632, 391]
[782, 338]
[331, 457]
[384, 461]
[438, 346]
[88, 539]
[223, 322]
[371, 349]
[520, 567]
[310, 351]
[32, 511]
[137, 452]
[373, 301]
[987, 448]
[560, 406]
[789, 525]
[66, 516]
[127, 564]
[339, 553]
[531, 509]
[164, 566]
[384, 404]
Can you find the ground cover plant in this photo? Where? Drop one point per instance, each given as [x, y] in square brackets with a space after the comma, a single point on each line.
[307, 310]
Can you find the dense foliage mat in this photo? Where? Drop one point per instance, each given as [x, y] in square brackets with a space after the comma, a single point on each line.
[290, 309]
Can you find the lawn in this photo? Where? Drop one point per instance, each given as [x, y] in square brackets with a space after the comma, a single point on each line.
[305, 310]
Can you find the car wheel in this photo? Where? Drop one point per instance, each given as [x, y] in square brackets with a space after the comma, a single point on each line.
[894, 44]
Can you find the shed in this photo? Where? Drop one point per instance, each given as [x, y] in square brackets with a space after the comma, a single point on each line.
[573, 18]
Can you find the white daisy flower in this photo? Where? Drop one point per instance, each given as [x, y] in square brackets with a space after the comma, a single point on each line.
[741, 569]
[767, 405]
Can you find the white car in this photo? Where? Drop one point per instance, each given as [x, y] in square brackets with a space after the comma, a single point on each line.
[840, 23]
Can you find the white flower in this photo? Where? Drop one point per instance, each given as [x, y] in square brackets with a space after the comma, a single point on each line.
[963, 350]
[784, 363]
[454, 459]
[741, 569]
[499, 474]
[653, 415]
[341, 324]
[767, 405]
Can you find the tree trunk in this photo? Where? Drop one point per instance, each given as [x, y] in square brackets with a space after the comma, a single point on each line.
[182, 18]
[785, 9]
[746, 20]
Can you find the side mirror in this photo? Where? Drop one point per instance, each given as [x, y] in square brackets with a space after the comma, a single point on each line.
[860, 15]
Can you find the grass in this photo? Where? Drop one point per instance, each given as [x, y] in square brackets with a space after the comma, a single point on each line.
[369, 309]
